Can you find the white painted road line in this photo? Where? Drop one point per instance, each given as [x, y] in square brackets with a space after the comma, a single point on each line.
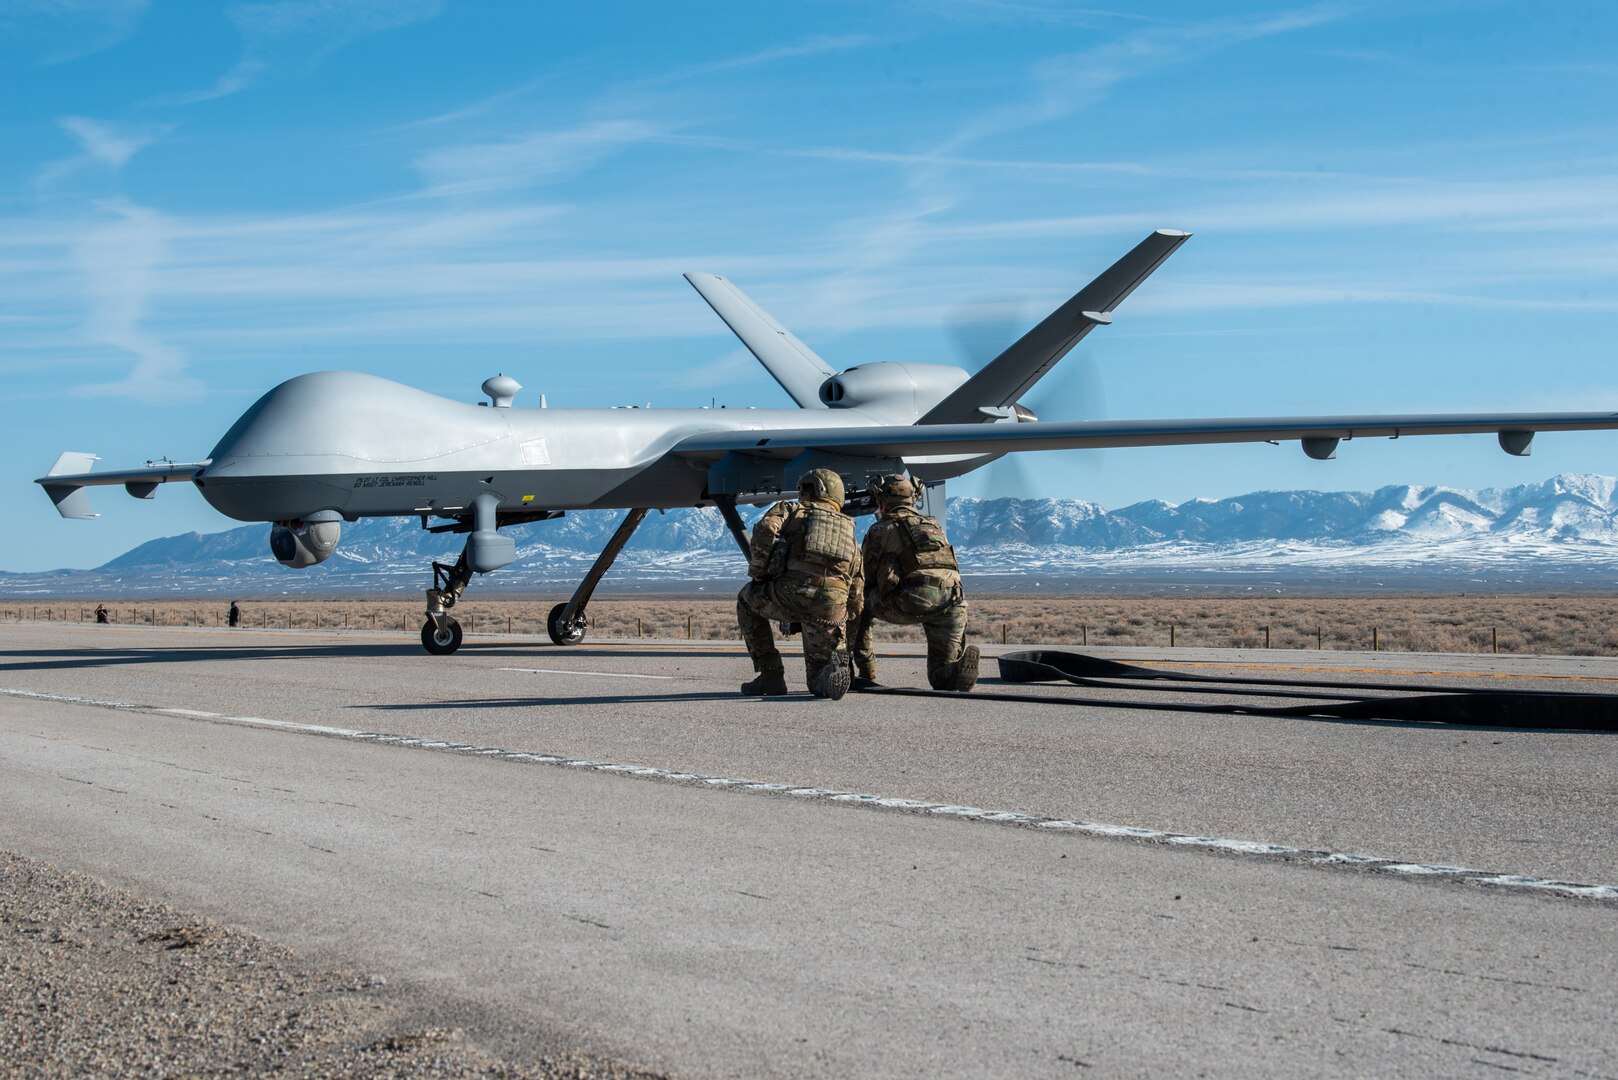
[601, 674]
[1250, 848]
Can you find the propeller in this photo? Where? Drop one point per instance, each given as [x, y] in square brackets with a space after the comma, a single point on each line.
[1072, 390]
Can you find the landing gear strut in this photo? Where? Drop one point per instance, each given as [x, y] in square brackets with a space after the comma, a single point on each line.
[733, 522]
[568, 621]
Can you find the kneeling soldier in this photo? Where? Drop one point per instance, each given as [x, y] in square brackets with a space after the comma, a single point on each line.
[911, 578]
[805, 569]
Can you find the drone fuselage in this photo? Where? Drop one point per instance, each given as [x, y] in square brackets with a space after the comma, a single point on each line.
[364, 446]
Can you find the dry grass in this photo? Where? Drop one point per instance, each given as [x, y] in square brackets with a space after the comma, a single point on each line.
[1577, 625]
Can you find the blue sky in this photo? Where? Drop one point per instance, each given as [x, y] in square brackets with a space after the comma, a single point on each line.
[1402, 206]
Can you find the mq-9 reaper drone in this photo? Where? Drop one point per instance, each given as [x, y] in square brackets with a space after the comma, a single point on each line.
[335, 446]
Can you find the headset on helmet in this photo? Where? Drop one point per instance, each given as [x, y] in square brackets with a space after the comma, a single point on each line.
[822, 484]
[893, 488]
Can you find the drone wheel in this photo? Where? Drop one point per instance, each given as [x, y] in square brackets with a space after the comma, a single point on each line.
[564, 635]
[440, 642]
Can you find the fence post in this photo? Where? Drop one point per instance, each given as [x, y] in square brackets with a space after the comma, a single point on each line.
[1266, 637]
[1084, 634]
[1376, 639]
[640, 628]
[1318, 645]
[1002, 633]
[1495, 631]
[688, 628]
[1171, 635]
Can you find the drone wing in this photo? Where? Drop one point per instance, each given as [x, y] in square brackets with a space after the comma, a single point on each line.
[1319, 435]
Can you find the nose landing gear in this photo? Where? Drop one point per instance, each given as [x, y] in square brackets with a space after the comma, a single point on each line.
[441, 642]
[441, 633]
[486, 550]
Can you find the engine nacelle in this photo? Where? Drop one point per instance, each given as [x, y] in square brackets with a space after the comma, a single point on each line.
[908, 390]
[306, 541]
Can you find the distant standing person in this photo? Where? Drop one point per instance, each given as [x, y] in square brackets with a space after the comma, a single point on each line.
[911, 578]
[101, 614]
[235, 616]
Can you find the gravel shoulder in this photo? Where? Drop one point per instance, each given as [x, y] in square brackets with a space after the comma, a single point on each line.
[97, 982]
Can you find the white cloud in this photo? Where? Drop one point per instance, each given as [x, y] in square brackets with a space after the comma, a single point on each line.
[1354, 203]
[72, 29]
[333, 22]
[102, 144]
[299, 31]
[243, 75]
[119, 264]
[815, 46]
[526, 160]
[1066, 84]
[105, 143]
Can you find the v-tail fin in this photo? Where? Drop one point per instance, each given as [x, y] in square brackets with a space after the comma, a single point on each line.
[792, 363]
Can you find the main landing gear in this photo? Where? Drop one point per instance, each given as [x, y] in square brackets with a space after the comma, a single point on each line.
[568, 622]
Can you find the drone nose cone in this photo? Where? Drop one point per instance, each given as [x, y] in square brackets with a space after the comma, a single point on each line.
[303, 446]
[330, 421]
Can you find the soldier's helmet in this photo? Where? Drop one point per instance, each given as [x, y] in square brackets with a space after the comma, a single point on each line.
[822, 484]
[895, 489]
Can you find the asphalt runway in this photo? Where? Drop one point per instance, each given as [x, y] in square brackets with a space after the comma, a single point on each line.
[606, 847]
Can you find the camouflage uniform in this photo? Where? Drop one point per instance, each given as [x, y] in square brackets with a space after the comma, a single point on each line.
[912, 578]
[805, 569]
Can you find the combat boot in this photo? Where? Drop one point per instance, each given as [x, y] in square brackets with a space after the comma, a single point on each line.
[831, 681]
[770, 683]
[966, 672]
[864, 676]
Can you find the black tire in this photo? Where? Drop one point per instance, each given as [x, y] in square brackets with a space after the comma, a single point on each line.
[440, 644]
[571, 635]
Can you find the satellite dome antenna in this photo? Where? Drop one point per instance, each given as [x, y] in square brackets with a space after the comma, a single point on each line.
[501, 390]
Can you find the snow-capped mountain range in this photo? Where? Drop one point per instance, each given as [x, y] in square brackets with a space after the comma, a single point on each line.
[1558, 534]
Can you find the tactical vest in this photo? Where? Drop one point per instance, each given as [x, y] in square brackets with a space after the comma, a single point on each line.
[828, 540]
[924, 545]
[815, 542]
